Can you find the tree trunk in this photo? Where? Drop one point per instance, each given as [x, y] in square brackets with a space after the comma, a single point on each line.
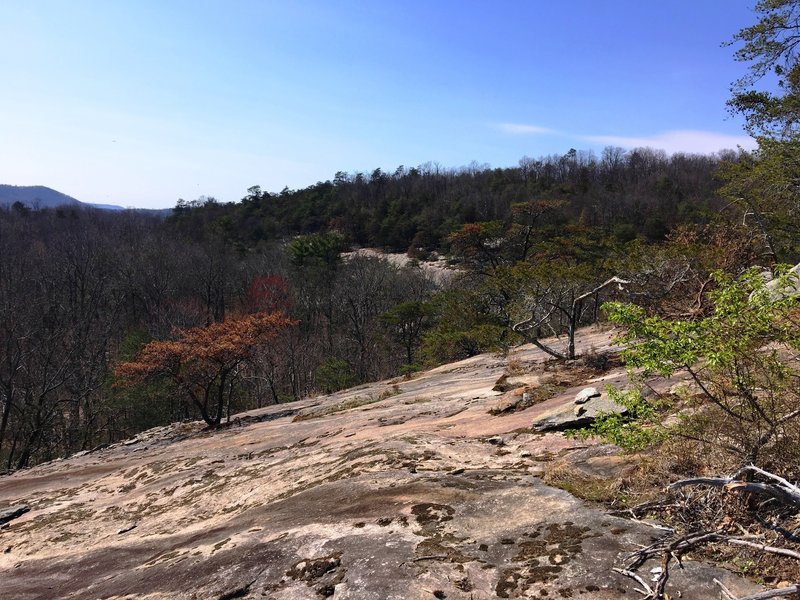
[6, 413]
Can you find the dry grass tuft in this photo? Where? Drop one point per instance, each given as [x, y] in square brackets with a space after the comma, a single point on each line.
[582, 485]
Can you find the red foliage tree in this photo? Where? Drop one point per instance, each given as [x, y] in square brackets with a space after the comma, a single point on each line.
[269, 293]
[204, 363]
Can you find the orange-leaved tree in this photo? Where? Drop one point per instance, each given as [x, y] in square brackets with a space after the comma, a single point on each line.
[204, 362]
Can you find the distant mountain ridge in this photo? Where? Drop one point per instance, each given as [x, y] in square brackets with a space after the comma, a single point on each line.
[39, 196]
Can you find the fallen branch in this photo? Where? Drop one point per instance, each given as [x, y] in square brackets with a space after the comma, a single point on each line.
[777, 593]
[708, 508]
[783, 482]
[676, 548]
[651, 524]
[783, 491]
[764, 548]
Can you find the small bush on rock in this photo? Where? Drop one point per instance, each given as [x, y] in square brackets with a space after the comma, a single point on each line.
[743, 360]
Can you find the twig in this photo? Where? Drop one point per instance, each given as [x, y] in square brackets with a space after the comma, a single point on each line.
[653, 525]
[647, 589]
[725, 591]
[658, 593]
[642, 509]
[763, 547]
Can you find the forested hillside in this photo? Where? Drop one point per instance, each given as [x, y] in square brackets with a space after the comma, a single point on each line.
[623, 193]
[83, 291]
[113, 322]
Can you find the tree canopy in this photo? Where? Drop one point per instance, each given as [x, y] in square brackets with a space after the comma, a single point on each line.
[766, 184]
[770, 47]
[204, 363]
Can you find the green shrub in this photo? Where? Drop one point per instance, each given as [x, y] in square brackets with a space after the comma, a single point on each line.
[742, 361]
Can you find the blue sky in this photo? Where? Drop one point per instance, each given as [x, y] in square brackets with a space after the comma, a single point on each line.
[142, 102]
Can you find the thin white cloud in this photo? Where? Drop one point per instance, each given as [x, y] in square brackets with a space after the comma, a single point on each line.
[693, 141]
[682, 140]
[523, 129]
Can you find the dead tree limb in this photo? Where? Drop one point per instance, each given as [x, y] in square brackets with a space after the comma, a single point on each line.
[668, 550]
[780, 493]
[763, 547]
[777, 593]
[618, 280]
[783, 491]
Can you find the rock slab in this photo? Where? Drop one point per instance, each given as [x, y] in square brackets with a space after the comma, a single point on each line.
[569, 416]
[412, 495]
[12, 512]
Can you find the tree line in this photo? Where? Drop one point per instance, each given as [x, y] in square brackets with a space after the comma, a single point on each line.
[83, 292]
[639, 192]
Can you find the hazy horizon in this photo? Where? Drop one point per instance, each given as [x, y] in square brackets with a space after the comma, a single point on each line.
[139, 103]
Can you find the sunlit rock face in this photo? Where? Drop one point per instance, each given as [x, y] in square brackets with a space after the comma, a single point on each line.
[402, 489]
